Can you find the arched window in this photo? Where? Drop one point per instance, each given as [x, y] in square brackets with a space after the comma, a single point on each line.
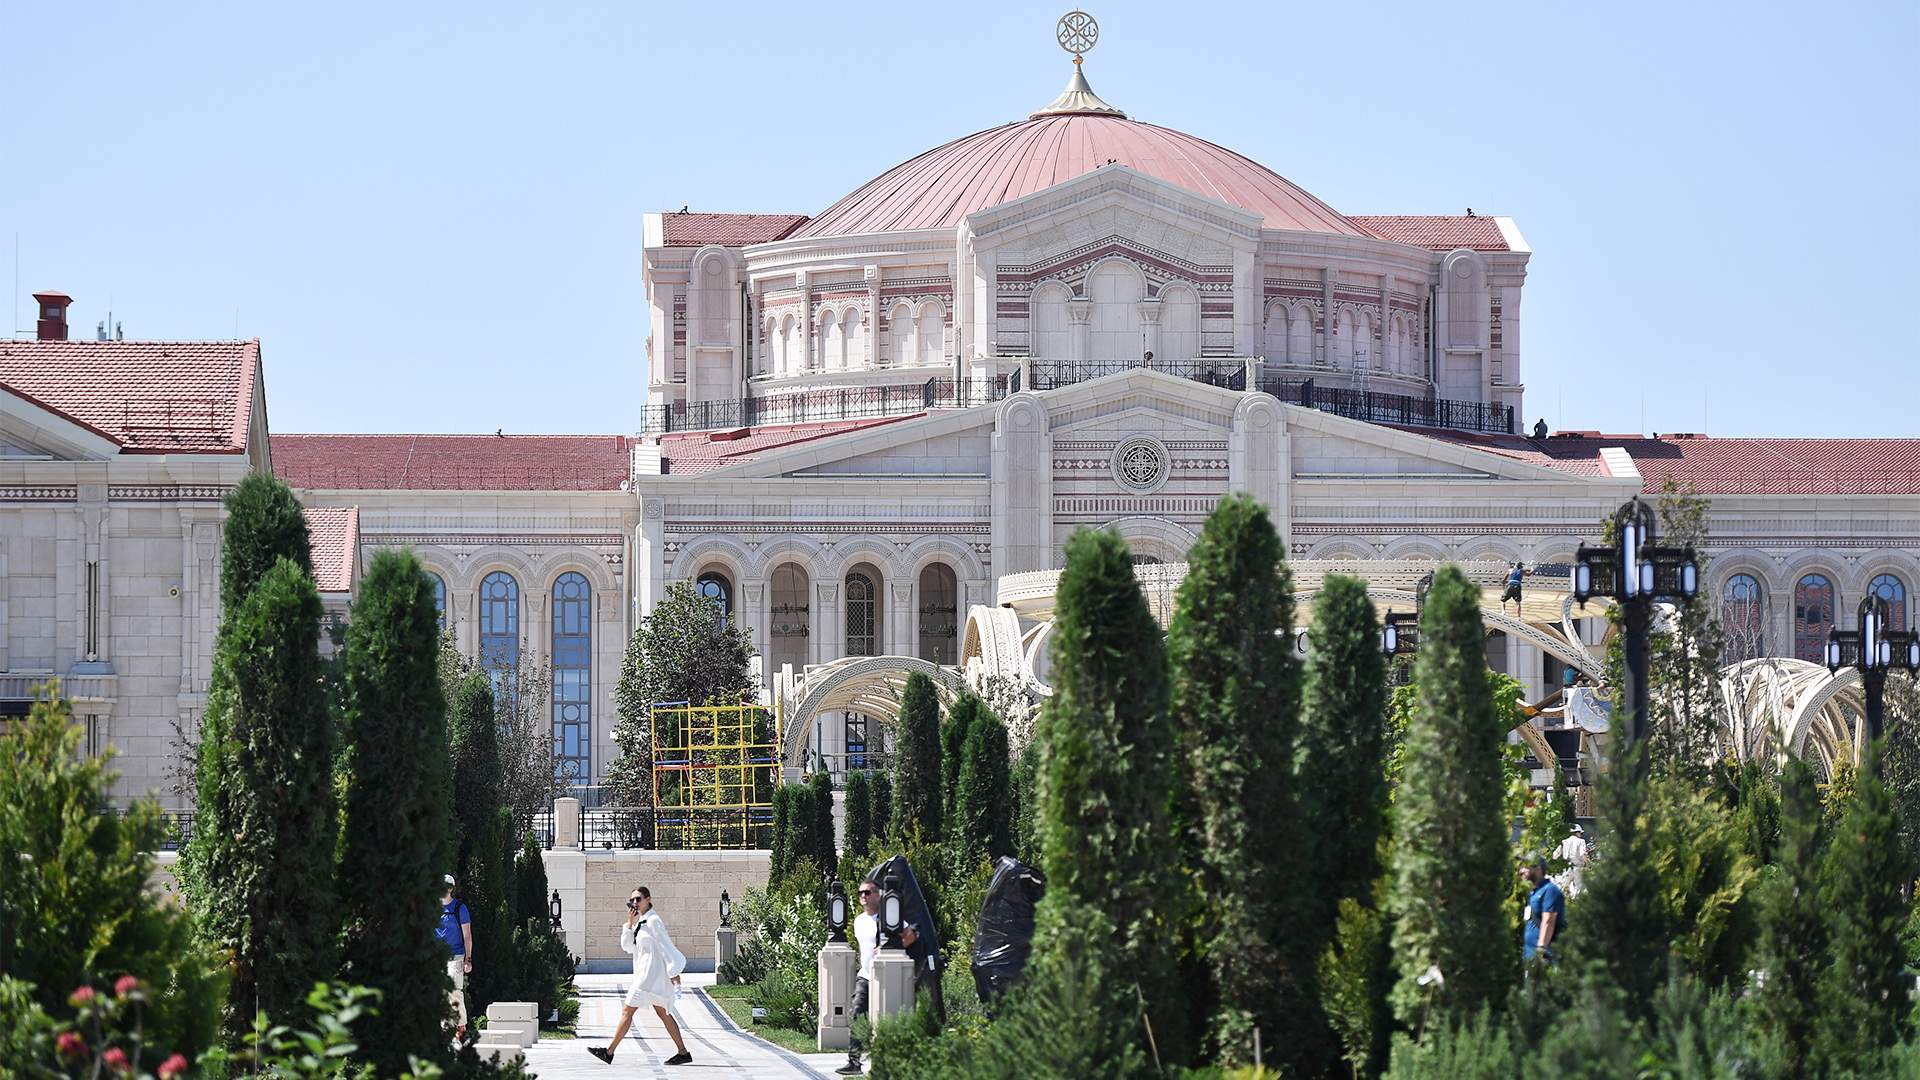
[790, 621]
[573, 678]
[714, 586]
[1409, 363]
[1363, 342]
[1116, 289]
[1275, 338]
[1890, 588]
[1743, 619]
[1052, 333]
[439, 598]
[832, 347]
[900, 336]
[1344, 341]
[789, 348]
[939, 614]
[1300, 335]
[853, 338]
[500, 629]
[1179, 323]
[933, 333]
[863, 613]
[1813, 606]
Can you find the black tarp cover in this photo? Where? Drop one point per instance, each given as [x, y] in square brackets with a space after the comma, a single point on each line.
[913, 907]
[1004, 937]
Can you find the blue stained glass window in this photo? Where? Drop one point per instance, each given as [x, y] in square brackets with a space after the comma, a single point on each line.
[500, 629]
[573, 678]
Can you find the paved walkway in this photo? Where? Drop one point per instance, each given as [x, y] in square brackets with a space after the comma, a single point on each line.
[718, 1048]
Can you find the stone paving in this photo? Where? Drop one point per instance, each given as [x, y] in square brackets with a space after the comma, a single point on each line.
[718, 1048]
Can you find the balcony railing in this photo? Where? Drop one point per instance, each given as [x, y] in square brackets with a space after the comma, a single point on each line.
[815, 406]
[869, 402]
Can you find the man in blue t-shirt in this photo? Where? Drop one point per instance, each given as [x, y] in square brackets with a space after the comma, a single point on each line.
[1546, 914]
[456, 933]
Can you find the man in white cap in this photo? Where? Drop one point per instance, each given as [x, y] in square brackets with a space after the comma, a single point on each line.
[456, 933]
[1573, 851]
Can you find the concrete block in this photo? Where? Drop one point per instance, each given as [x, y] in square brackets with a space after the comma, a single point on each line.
[519, 1032]
[499, 1052]
[512, 1010]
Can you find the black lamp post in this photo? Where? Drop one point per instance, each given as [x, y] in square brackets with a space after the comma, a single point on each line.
[1635, 572]
[1400, 632]
[726, 909]
[1873, 649]
[890, 916]
[553, 910]
[836, 911]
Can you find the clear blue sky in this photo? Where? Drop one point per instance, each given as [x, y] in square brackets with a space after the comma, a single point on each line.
[430, 212]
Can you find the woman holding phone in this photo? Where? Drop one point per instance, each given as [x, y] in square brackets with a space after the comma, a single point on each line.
[656, 972]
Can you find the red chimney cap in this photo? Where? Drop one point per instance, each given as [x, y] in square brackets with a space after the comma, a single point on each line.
[48, 297]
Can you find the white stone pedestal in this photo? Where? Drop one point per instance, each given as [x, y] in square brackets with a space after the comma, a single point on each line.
[891, 991]
[837, 964]
[726, 942]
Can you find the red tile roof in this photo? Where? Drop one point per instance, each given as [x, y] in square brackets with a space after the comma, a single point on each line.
[332, 535]
[1438, 232]
[151, 397]
[1727, 466]
[727, 230]
[452, 462]
[699, 451]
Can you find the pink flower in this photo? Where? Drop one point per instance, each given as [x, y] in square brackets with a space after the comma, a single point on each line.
[116, 1059]
[127, 984]
[173, 1067]
[80, 996]
[71, 1045]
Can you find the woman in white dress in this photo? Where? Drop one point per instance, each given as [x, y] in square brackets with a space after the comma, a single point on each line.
[656, 972]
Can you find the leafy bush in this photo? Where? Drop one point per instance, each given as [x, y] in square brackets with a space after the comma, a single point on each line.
[749, 964]
[1479, 1049]
[788, 998]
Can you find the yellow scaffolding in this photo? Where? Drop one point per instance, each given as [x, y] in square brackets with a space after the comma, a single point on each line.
[715, 768]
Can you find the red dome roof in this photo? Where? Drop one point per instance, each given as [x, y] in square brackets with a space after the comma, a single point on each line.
[942, 186]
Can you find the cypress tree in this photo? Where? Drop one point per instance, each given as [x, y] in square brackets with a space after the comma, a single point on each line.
[1106, 773]
[1236, 695]
[824, 854]
[800, 828]
[259, 868]
[1452, 870]
[953, 739]
[530, 883]
[1863, 991]
[264, 525]
[982, 826]
[483, 855]
[882, 784]
[396, 825]
[778, 856]
[1623, 922]
[859, 815]
[1793, 941]
[1024, 798]
[916, 768]
[1344, 742]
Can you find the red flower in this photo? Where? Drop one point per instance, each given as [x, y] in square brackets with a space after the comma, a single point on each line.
[173, 1067]
[116, 1059]
[80, 996]
[71, 1045]
[126, 985]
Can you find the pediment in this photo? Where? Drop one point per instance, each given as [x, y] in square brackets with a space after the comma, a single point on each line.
[32, 431]
[950, 445]
[1327, 447]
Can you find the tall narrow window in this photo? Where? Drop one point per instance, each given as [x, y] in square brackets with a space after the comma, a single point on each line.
[1743, 618]
[714, 587]
[1894, 591]
[939, 614]
[573, 678]
[933, 334]
[439, 599]
[790, 621]
[1813, 607]
[856, 734]
[863, 615]
[500, 629]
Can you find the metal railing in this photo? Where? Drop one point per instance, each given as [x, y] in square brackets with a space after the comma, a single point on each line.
[819, 406]
[1227, 372]
[1383, 408]
[179, 825]
[729, 828]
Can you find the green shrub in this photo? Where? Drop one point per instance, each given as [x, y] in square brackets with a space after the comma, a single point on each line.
[859, 837]
[788, 998]
[74, 902]
[751, 961]
[916, 768]
[1479, 1049]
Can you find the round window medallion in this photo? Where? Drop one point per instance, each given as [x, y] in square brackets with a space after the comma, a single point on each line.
[1140, 464]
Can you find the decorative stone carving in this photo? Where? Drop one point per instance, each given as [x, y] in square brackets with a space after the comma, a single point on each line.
[1141, 464]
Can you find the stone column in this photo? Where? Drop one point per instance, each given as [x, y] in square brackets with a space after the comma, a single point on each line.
[1080, 330]
[806, 321]
[837, 967]
[902, 620]
[824, 642]
[754, 615]
[1150, 327]
[1323, 349]
[873, 316]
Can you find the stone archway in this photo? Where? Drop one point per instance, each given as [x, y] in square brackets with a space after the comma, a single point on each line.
[871, 685]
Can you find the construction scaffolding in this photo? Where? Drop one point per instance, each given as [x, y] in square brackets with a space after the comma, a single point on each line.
[715, 768]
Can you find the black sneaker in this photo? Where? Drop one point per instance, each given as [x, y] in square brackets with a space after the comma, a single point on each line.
[602, 1053]
[851, 1068]
[680, 1058]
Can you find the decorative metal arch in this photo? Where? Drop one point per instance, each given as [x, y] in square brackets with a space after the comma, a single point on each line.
[1776, 706]
[993, 638]
[871, 685]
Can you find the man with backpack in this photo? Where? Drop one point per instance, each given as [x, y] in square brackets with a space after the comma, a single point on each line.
[456, 933]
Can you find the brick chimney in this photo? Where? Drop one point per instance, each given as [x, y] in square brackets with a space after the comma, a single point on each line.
[53, 315]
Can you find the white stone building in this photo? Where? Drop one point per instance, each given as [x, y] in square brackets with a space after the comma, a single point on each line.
[869, 429]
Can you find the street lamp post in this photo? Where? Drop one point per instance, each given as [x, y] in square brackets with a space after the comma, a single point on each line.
[1400, 631]
[1873, 649]
[1635, 572]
